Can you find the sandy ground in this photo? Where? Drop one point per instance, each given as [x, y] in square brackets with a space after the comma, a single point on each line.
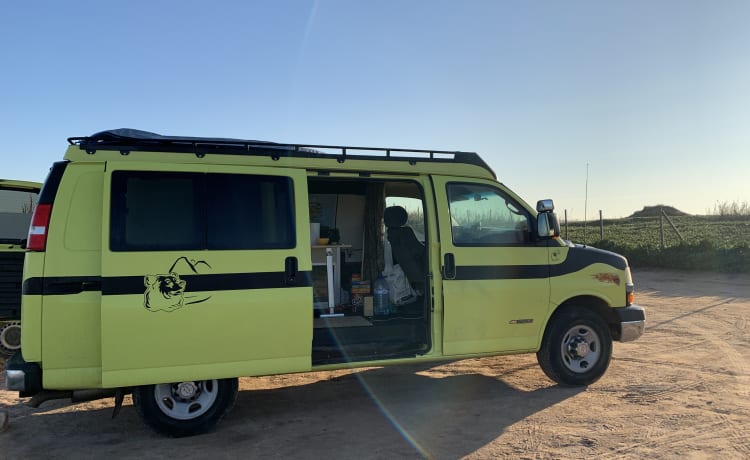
[681, 392]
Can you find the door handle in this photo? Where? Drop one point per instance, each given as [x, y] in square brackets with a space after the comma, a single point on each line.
[290, 270]
[449, 266]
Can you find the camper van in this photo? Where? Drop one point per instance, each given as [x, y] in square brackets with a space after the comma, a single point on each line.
[170, 266]
[17, 202]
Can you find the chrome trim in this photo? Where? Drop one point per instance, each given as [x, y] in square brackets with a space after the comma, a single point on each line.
[631, 330]
[15, 380]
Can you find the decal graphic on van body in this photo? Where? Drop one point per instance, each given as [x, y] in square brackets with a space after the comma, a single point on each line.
[166, 292]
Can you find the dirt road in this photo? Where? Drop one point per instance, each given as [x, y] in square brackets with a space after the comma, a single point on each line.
[681, 391]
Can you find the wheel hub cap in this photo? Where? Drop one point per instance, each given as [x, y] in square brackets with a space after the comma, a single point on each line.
[186, 390]
[579, 347]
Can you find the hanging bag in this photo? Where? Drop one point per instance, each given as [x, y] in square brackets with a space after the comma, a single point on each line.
[400, 290]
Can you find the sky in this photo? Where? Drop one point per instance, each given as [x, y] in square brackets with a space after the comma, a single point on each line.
[649, 100]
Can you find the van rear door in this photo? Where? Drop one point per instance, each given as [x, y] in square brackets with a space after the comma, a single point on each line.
[205, 273]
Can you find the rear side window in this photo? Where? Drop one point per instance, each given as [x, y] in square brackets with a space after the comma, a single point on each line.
[155, 211]
[16, 209]
[250, 212]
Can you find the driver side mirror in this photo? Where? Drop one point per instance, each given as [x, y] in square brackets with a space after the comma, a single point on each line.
[547, 225]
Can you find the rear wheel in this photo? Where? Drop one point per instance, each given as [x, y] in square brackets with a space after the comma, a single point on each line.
[185, 408]
[576, 348]
[10, 338]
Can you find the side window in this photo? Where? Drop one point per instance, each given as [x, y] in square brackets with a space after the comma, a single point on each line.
[155, 211]
[485, 216]
[250, 212]
[16, 208]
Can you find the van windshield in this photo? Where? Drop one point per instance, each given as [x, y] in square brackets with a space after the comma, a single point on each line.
[16, 208]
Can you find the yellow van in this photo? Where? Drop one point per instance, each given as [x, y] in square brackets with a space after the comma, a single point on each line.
[170, 266]
[17, 202]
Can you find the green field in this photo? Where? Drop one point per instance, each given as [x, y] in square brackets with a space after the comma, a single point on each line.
[719, 243]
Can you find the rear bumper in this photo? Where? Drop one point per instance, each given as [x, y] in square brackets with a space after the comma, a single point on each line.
[26, 378]
[632, 322]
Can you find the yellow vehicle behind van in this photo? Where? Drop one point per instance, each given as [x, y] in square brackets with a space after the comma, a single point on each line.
[171, 266]
[17, 202]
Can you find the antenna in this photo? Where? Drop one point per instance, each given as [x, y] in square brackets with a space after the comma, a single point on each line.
[586, 204]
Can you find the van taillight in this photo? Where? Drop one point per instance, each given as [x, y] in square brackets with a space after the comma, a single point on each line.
[37, 240]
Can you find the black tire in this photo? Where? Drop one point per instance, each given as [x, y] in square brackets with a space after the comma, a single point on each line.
[185, 408]
[576, 348]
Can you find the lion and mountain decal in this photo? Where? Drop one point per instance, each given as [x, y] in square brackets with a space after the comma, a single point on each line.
[168, 292]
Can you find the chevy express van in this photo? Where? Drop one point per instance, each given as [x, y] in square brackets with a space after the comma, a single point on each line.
[17, 202]
[170, 266]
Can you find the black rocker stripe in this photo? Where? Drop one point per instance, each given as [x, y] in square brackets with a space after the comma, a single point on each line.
[578, 259]
[121, 285]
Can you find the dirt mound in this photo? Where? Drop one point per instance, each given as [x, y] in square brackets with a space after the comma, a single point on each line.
[655, 211]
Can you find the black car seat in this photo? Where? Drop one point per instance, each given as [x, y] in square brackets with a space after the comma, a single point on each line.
[408, 251]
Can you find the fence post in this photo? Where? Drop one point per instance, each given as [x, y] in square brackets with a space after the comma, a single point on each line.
[566, 224]
[682, 240]
[661, 227]
[601, 226]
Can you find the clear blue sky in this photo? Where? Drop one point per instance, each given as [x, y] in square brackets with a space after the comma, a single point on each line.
[653, 95]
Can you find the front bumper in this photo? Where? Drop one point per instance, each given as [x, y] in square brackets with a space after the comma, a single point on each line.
[631, 322]
[26, 378]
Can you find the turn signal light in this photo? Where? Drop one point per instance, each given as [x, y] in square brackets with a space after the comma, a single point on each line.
[629, 295]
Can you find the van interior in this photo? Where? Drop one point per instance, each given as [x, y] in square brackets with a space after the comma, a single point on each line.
[371, 226]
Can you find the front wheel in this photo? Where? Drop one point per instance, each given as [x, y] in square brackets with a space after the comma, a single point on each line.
[185, 408]
[576, 348]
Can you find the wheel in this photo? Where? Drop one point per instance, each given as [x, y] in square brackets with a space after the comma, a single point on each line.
[185, 408]
[10, 338]
[576, 348]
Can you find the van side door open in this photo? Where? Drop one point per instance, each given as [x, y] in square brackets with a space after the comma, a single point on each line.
[495, 274]
[204, 268]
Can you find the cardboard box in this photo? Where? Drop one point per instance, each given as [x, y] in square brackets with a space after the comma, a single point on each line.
[368, 306]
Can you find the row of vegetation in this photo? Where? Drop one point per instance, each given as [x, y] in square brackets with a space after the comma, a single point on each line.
[715, 242]
[735, 208]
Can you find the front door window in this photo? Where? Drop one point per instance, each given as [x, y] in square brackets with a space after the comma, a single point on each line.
[485, 216]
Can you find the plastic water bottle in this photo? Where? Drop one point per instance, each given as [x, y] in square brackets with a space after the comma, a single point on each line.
[380, 300]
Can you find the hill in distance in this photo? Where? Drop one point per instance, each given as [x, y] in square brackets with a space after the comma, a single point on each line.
[655, 211]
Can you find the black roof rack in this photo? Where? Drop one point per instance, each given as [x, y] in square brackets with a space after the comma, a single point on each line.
[126, 140]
